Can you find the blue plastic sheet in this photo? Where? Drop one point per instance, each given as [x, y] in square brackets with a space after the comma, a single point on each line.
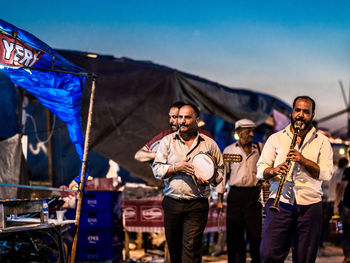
[59, 92]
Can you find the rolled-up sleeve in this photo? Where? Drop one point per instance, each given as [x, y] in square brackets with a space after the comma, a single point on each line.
[160, 165]
[325, 161]
[266, 159]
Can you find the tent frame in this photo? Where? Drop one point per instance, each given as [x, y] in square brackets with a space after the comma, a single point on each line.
[94, 76]
[80, 192]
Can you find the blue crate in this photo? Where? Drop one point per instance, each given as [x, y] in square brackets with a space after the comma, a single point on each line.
[91, 253]
[100, 218]
[101, 237]
[104, 200]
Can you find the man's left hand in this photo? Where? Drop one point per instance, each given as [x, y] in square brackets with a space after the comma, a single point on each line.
[295, 156]
[200, 180]
[219, 207]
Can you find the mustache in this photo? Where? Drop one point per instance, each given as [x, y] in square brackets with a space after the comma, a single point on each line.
[184, 125]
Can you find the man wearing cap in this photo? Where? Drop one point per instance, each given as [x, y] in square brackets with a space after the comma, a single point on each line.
[243, 206]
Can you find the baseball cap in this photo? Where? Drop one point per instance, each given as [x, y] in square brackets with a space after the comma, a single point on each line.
[244, 123]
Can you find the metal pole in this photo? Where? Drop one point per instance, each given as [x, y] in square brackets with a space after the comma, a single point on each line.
[348, 133]
[83, 174]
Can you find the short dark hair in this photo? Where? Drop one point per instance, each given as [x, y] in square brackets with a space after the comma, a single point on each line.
[305, 98]
[194, 107]
[177, 104]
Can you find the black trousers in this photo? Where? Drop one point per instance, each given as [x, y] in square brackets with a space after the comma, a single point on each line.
[296, 225]
[184, 223]
[243, 215]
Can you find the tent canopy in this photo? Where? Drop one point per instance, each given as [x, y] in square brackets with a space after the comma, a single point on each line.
[133, 97]
[34, 66]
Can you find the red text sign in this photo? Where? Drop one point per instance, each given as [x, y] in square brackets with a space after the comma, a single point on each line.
[14, 52]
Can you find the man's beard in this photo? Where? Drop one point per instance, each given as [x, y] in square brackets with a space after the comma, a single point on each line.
[189, 130]
[304, 124]
[184, 126]
[173, 127]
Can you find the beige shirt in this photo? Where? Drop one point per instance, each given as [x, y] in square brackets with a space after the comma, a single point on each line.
[173, 149]
[301, 187]
[242, 174]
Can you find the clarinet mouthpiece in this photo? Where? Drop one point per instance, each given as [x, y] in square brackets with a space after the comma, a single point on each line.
[299, 125]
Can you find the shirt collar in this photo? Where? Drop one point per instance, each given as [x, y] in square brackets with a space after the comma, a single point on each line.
[254, 150]
[178, 137]
[310, 135]
[253, 145]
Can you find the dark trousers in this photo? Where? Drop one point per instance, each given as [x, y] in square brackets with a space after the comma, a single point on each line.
[243, 215]
[327, 208]
[297, 225]
[346, 233]
[184, 223]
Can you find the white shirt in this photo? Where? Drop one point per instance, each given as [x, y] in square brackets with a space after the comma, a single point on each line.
[300, 187]
[243, 174]
[332, 184]
[173, 149]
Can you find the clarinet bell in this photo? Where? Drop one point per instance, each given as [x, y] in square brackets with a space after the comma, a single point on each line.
[274, 208]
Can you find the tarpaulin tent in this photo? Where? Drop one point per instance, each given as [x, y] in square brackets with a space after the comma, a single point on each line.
[55, 82]
[34, 66]
[132, 101]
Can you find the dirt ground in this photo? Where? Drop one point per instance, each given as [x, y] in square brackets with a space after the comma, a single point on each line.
[328, 254]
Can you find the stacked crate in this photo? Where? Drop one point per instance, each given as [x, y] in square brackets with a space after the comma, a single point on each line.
[101, 229]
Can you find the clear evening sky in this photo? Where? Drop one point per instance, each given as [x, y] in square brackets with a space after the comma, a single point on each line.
[283, 48]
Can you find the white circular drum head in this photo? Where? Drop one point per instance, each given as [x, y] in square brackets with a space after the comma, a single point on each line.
[203, 166]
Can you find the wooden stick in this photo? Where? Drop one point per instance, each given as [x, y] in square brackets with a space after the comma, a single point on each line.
[83, 174]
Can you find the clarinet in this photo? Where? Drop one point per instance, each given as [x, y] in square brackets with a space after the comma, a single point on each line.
[274, 207]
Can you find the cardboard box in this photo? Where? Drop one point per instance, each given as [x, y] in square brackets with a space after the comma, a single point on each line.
[102, 184]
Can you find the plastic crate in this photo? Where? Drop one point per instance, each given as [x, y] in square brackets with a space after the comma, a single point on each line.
[93, 253]
[100, 218]
[104, 200]
[101, 237]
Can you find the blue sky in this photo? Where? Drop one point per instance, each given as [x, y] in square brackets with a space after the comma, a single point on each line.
[283, 48]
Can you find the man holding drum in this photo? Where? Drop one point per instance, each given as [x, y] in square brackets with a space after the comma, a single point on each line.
[243, 206]
[148, 152]
[186, 194]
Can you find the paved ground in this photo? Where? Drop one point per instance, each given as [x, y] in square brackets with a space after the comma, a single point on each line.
[329, 254]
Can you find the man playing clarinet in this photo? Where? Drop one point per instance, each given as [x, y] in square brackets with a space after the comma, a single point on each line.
[296, 214]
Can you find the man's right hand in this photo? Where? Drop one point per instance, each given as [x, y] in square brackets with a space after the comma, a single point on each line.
[184, 167]
[281, 169]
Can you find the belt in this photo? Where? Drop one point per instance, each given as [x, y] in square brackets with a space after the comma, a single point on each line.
[243, 187]
[183, 200]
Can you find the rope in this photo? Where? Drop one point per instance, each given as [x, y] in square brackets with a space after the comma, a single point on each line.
[40, 188]
[36, 129]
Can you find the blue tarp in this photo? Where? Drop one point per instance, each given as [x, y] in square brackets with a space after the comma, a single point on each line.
[59, 92]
